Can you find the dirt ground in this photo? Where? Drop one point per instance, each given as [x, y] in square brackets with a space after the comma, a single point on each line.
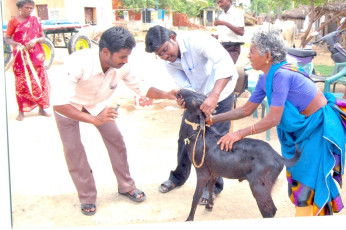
[43, 195]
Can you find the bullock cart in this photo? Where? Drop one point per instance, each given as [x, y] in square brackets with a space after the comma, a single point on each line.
[55, 32]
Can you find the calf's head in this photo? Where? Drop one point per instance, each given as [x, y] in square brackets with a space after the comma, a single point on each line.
[193, 101]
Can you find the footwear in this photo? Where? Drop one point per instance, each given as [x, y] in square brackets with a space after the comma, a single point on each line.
[167, 186]
[205, 197]
[88, 209]
[134, 195]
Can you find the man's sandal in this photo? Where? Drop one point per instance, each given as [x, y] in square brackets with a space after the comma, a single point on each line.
[167, 186]
[134, 195]
[88, 209]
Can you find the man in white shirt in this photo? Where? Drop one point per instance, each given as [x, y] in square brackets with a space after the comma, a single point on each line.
[198, 62]
[230, 28]
[90, 78]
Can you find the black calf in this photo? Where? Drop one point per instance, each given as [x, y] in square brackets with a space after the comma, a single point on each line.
[250, 159]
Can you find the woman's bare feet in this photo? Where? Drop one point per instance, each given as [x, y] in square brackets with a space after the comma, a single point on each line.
[20, 116]
[42, 112]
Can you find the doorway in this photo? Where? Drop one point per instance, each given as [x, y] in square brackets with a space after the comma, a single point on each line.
[90, 15]
[42, 12]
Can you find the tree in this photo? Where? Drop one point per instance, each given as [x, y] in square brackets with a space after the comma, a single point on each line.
[317, 10]
[265, 6]
[190, 7]
[194, 7]
[136, 4]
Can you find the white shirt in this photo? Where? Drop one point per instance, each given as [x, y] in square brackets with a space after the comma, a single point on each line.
[82, 82]
[203, 62]
[235, 17]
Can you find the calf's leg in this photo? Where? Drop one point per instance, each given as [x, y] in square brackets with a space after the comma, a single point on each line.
[211, 184]
[202, 179]
[261, 190]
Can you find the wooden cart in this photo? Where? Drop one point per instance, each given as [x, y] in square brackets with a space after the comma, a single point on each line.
[73, 40]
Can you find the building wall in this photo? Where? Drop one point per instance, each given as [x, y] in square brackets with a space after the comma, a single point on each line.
[52, 4]
[73, 10]
[9, 10]
[56, 8]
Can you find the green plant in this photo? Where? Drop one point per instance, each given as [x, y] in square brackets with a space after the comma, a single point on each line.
[323, 70]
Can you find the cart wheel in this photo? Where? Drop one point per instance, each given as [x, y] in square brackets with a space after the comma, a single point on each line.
[7, 53]
[78, 42]
[48, 49]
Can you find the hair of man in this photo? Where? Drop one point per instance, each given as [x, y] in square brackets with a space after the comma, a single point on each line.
[116, 38]
[156, 36]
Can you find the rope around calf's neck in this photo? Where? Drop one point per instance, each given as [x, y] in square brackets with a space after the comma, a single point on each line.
[194, 150]
[194, 127]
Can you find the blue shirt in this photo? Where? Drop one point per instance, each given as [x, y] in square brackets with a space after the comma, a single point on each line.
[203, 61]
[287, 85]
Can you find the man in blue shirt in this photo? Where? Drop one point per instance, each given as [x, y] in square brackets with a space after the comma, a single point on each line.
[198, 62]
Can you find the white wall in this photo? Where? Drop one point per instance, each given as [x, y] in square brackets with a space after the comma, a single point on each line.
[75, 11]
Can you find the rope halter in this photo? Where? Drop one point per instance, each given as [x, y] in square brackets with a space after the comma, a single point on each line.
[187, 141]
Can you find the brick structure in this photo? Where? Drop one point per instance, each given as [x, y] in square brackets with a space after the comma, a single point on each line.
[182, 20]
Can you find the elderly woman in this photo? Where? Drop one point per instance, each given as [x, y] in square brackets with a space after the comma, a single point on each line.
[24, 32]
[304, 116]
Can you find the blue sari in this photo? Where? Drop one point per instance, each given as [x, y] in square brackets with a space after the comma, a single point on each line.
[321, 136]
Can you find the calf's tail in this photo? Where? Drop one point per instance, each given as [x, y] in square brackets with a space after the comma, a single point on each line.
[292, 161]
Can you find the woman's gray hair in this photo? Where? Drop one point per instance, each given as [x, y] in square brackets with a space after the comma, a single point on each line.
[270, 41]
[21, 3]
